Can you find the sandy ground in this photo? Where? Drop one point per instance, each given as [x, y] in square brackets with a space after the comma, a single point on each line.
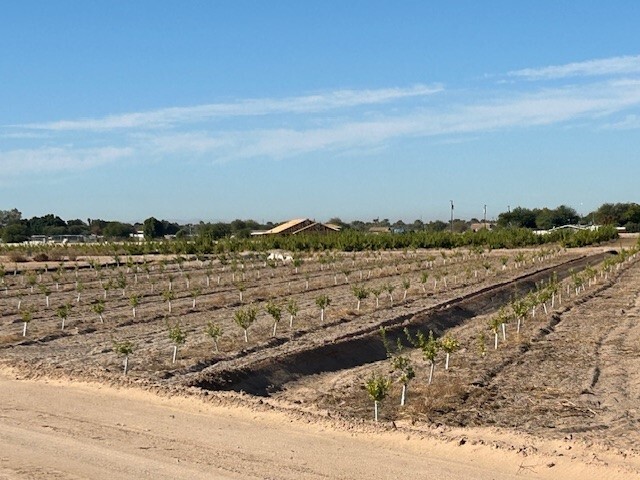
[62, 430]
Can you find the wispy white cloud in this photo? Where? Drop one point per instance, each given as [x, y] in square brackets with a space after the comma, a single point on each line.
[548, 107]
[167, 117]
[330, 123]
[50, 159]
[623, 65]
[629, 122]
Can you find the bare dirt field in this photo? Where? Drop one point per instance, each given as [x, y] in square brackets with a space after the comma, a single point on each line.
[558, 399]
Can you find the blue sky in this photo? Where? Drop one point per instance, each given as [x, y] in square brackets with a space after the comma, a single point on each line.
[215, 110]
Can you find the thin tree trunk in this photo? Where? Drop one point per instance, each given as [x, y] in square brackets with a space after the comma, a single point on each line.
[433, 366]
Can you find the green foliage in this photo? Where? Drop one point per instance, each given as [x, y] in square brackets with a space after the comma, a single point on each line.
[360, 292]
[124, 347]
[244, 318]
[177, 335]
[213, 331]
[428, 345]
[449, 344]
[273, 309]
[323, 301]
[292, 307]
[26, 314]
[377, 386]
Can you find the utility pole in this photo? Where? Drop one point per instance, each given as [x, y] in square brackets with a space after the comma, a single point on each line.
[484, 220]
[451, 215]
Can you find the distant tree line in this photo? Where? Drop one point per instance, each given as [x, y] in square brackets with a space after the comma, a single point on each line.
[617, 214]
[14, 228]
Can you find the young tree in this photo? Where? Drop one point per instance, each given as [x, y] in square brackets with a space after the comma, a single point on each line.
[125, 348]
[429, 346]
[241, 288]
[32, 280]
[376, 292]
[214, 331]
[390, 288]
[377, 386]
[121, 282]
[134, 300]
[361, 293]
[178, 336]
[494, 324]
[400, 364]
[79, 290]
[323, 301]
[244, 318]
[46, 291]
[448, 345]
[292, 308]
[98, 307]
[297, 263]
[63, 312]
[168, 296]
[195, 293]
[424, 276]
[275, 311]
[27, 316]
[520, 308]
[406, 284]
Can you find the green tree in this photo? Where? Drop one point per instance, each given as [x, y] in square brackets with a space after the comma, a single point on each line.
[361, 293]
[377, 387]
[152, 228]
[98, 307]
[168, 296]
[214, 331]
[429, 346]
[125, 348]
[178, 336]
[63, 312]
[292, 308]
[275, 311]
[449, 345]
[244, 318]
[323, 301]
[27, 317]
[134, 300]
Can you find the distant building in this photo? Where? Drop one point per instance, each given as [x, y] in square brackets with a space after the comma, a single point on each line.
[378, 230]
[568, 227]
[298, 226]
[475, 227]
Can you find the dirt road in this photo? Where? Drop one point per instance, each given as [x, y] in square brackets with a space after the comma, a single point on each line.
[63, 430]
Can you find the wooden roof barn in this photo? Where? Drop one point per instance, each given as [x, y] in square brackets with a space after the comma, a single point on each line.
[300, 225]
